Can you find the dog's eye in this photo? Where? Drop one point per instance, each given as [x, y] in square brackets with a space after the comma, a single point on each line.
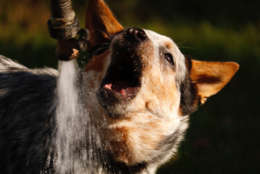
[169, 58]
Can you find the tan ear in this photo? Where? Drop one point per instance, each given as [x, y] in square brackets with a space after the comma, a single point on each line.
[100, 22]
[211, 77]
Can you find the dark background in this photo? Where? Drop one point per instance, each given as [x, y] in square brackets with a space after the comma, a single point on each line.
[224, 134]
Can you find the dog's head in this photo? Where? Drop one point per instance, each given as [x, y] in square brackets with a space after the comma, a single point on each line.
[146, 87]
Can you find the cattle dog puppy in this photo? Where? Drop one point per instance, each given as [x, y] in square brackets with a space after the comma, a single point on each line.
[138, 90]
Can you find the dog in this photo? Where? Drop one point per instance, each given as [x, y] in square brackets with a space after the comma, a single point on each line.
[138, 91]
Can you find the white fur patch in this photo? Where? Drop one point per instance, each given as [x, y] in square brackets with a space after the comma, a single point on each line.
[160, 40]
[7, 64]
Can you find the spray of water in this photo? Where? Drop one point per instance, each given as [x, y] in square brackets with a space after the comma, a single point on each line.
[76, 138]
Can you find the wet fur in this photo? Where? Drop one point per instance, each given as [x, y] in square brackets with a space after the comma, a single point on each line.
[27, 124]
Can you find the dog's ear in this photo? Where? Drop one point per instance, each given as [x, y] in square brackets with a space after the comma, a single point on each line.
[100, 22]
[210, 77]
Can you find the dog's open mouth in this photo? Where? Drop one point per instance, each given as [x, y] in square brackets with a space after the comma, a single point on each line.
[122, 89]
[122, 81]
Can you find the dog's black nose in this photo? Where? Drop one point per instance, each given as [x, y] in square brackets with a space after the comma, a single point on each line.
[136, 34]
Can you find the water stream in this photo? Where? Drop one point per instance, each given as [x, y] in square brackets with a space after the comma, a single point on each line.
[76, 138]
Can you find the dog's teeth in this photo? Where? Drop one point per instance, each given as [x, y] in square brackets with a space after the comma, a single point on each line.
[108, 86]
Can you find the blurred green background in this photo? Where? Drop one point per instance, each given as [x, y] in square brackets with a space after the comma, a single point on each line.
[224, 134]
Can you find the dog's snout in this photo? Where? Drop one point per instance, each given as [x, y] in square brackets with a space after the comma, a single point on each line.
[136, 34]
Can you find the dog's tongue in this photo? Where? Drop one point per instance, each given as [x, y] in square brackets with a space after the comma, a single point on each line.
[121, 88]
